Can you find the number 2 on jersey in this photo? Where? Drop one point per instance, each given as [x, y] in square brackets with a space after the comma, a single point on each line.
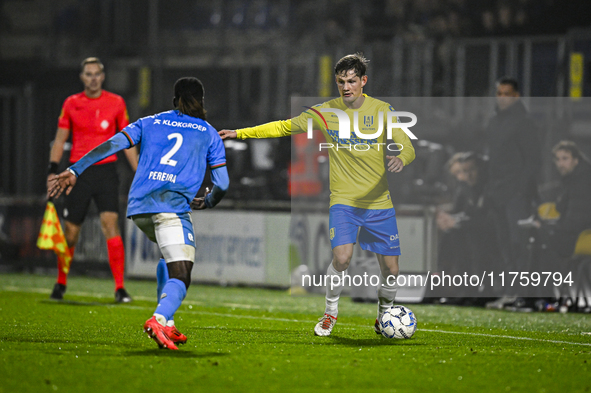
[165, 160]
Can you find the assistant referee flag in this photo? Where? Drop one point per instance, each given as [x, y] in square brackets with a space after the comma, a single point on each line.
[51, 236]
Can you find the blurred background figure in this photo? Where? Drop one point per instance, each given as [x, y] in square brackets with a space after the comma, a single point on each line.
[467, 241]
[561, 225]
[573, 203]
[514, 150]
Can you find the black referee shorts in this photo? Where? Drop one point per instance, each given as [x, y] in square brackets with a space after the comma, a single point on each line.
[99, 183]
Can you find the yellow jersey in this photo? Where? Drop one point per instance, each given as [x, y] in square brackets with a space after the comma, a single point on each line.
[357, 166]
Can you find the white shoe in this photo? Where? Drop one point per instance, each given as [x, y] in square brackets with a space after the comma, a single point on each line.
[324, 327]
[376, 326]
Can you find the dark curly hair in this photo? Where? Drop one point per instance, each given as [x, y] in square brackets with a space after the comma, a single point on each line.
[188, 97]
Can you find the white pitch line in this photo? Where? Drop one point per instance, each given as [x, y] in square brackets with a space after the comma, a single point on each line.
[505, 336]
[350, 325]
[39, 290]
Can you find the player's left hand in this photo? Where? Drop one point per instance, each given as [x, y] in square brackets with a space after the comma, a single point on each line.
[57, 184]
[199, 203]
[228, 134]
[395, 164]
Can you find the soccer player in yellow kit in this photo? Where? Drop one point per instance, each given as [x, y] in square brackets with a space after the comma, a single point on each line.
[358, 183]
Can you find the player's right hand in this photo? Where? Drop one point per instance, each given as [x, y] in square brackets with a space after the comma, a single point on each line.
[57, 184]
[228, 134]
[199, 203]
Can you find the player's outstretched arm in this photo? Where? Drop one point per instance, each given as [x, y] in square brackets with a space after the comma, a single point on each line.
[111, 146]
[227, 134]
[57, 184]
[67, 179]
[274, 129]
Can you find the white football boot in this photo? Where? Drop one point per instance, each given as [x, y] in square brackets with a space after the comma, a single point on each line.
[324, 327]
[376, 326]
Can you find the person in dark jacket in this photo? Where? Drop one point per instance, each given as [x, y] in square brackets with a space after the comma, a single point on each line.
[468, 210]
[514, 158]
[556, 239]
[467, 243]
[573, 203]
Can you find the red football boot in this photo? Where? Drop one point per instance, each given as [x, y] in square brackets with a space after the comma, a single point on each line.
[156, 332]
[176, 336]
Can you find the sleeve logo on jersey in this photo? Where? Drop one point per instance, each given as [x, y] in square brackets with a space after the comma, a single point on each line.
[104, 124]
[331, 233]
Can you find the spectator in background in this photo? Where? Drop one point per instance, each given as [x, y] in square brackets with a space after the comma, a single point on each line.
[92, 116]
[467, 168]
[573, 203]
[556, 237]
[465, 244]
[514, 159]
[488, 23]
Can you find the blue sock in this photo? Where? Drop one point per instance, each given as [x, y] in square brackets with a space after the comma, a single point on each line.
[173, 294]
[161, 277]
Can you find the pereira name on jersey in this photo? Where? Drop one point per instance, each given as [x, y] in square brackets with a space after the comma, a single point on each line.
[162, 176]
[174, 153]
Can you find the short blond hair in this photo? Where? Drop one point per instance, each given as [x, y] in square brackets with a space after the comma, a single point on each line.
[92, 60]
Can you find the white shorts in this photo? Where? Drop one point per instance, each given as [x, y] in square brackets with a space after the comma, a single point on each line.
[172, 232]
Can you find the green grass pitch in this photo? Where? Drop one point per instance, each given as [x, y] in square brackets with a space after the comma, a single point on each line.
[244, 339]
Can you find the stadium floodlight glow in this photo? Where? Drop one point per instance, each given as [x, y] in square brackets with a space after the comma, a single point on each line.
[344, 130]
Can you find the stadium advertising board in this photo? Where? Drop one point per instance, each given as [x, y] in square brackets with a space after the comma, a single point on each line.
[231, 248]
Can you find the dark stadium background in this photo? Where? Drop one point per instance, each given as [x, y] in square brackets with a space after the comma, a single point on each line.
[252, 57]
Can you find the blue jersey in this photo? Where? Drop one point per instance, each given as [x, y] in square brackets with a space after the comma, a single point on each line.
[174, 154]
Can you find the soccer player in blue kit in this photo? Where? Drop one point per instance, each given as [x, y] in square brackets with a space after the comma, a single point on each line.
[176, 148]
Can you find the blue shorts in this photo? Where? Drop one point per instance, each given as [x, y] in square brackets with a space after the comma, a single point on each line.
[378, 233]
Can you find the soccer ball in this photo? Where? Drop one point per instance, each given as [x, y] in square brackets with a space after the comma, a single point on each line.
[398, 322]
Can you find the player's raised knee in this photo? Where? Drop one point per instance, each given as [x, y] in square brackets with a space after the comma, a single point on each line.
[341, 258]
